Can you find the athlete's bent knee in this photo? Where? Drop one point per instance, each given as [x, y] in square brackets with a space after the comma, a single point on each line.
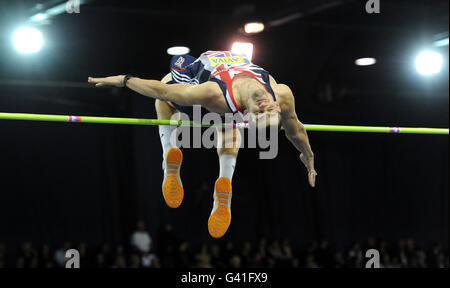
[228, 151]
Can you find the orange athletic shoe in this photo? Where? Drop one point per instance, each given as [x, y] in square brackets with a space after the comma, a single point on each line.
[220, 217]
[172, 187]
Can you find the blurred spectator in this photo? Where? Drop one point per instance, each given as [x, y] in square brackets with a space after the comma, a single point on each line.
[105, 250]
[148, 260]
[34, 263]
[287, 254]
[257, 260]
[119, 262]
[82, 249]
[262, 247]
[311, 262]
[235, 261]
[385, 261]
[358, 261]
[45, 257]
[156, 263]
[433, 255]
[324, 255]
[355, 254]
[135, 261]
[140, 239]
[168, 245]
[216, 260]
[245, 254]
[27, 253]
[383, 247]
[100, 261]
[286, 249]
[275, 253]
[229, 249]
[418, 259]
[312, 247]
[183, 258]
[119, 257]
[295, 263]
[339, 261]
[441, 261]
[395, 263]
[20, 262]
[203, 258]
[402, 254]
[60, 254]
[204, 261]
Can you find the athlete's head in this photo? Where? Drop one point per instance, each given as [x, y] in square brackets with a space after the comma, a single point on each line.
[262, 110]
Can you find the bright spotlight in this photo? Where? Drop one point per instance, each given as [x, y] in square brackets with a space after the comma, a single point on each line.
[441, 42]
[39, 17]
[243, 49]
[28, 40]
[178, 50]
[253, 27]
[428, 62]
[365, 61]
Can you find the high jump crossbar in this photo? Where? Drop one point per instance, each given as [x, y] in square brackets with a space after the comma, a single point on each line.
[139, 121]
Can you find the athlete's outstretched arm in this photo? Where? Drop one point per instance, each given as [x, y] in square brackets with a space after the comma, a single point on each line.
[182, 94]
[296, 132]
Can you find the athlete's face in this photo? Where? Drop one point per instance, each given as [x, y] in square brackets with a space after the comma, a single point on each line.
[263, 111]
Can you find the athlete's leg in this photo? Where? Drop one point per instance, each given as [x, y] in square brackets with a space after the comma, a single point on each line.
[228, 148]
[165, 111]
[230, 141]
[172, 187]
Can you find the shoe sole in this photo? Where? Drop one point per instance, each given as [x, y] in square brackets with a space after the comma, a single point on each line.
[172, 187]
[220, 220]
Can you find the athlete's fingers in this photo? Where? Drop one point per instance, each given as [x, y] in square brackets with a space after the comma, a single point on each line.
[95, 80]
[312, 178]
[108, 80]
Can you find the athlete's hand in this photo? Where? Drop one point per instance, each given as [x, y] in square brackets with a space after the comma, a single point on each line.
[309, 163]
[116, 81]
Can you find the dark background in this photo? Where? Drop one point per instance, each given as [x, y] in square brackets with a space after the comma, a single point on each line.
[88, 182]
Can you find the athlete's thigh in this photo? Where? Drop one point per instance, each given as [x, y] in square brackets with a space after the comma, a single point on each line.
[228, 138]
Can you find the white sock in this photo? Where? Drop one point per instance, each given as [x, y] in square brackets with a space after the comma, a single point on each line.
[165, 132]
[227, 164]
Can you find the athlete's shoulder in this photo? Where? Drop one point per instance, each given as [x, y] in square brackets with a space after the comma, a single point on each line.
[284, 96]
[281, 89]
